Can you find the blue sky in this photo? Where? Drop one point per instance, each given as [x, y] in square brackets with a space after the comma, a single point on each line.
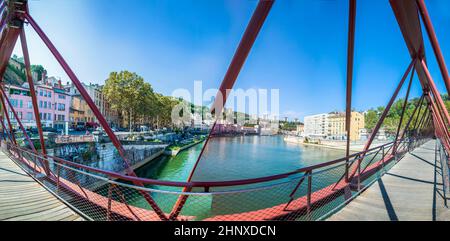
[301, 49]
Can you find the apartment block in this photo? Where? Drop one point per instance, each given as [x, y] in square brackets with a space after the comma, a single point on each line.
[53, 105]
[337, 129]
[332, 126]
[317, 126]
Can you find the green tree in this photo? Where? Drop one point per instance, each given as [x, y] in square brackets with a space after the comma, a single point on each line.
[393, 117]
[128, 93]
[371, 118]
[39, 69]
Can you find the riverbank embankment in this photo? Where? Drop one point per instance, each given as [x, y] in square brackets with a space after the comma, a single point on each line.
[355, 146]
[174, 152]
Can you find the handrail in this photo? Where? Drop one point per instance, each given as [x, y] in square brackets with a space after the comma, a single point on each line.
[86, 182]
[443, 158]
[191, 184]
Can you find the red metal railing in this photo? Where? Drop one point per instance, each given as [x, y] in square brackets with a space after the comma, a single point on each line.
[209, 184]
[84, 188]
[82, 185]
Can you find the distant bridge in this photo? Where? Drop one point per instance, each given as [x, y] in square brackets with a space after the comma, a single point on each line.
[311, 193]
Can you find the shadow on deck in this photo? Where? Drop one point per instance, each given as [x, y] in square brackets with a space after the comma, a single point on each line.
[411, 190]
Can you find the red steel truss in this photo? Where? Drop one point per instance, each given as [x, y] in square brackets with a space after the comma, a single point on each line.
[14, 13]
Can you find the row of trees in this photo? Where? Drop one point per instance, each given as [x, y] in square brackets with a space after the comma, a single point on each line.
[136, 102]
[392, 119]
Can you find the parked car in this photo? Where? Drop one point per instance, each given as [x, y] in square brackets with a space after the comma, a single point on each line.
[32, 130]
[121, 129]
[49, 129]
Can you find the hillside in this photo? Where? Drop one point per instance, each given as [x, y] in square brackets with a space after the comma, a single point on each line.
[15, 72]
[13, 76]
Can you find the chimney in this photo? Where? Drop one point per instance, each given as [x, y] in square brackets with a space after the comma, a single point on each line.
[59, 84]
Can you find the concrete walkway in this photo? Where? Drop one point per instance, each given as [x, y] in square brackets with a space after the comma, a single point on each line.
[411, 190]
[22, 198]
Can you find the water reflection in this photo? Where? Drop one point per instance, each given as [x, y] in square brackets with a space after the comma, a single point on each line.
[228, 158]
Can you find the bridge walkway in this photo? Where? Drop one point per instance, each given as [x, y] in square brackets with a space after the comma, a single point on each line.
[410, 190]
[23, 199]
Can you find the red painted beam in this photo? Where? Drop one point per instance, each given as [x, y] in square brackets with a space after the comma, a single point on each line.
[436, 93]
[11, 107]
[30, 143]
[37, 116]
[248, 39]
[418, 115]
[5, 111]
[388, 106]
[419, 106]
[438, 117]
[438, 122]
[94, 109]
[4, 131]
[408, 20]
[241, 54]
[11, 25]
[434, 42]
[350, 57]
[394, 148]
[383, 116]
[7, 42]
[82, 91]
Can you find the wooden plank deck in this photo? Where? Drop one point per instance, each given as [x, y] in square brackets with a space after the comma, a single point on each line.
[411, 190]
[21, 198]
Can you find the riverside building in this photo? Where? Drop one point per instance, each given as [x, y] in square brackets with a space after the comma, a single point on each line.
[332, 126]
[53, 104]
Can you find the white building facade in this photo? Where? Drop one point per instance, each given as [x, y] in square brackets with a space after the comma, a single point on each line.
[316, 126]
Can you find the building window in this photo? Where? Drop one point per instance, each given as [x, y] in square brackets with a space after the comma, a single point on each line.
[45, 116]
[49, 105]
[14, 102]
[40, 104]
[49, 94]
[45, 104]
[29, 116]
[30, 104]
[61, 107]
[40, 93]
[61, 117]
[21, 103]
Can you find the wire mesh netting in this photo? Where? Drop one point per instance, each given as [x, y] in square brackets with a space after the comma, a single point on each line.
[312, 194]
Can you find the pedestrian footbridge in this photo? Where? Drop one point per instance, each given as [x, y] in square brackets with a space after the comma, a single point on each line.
[411, 190]
[410, 185]
[407, 179]
[22, 198]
